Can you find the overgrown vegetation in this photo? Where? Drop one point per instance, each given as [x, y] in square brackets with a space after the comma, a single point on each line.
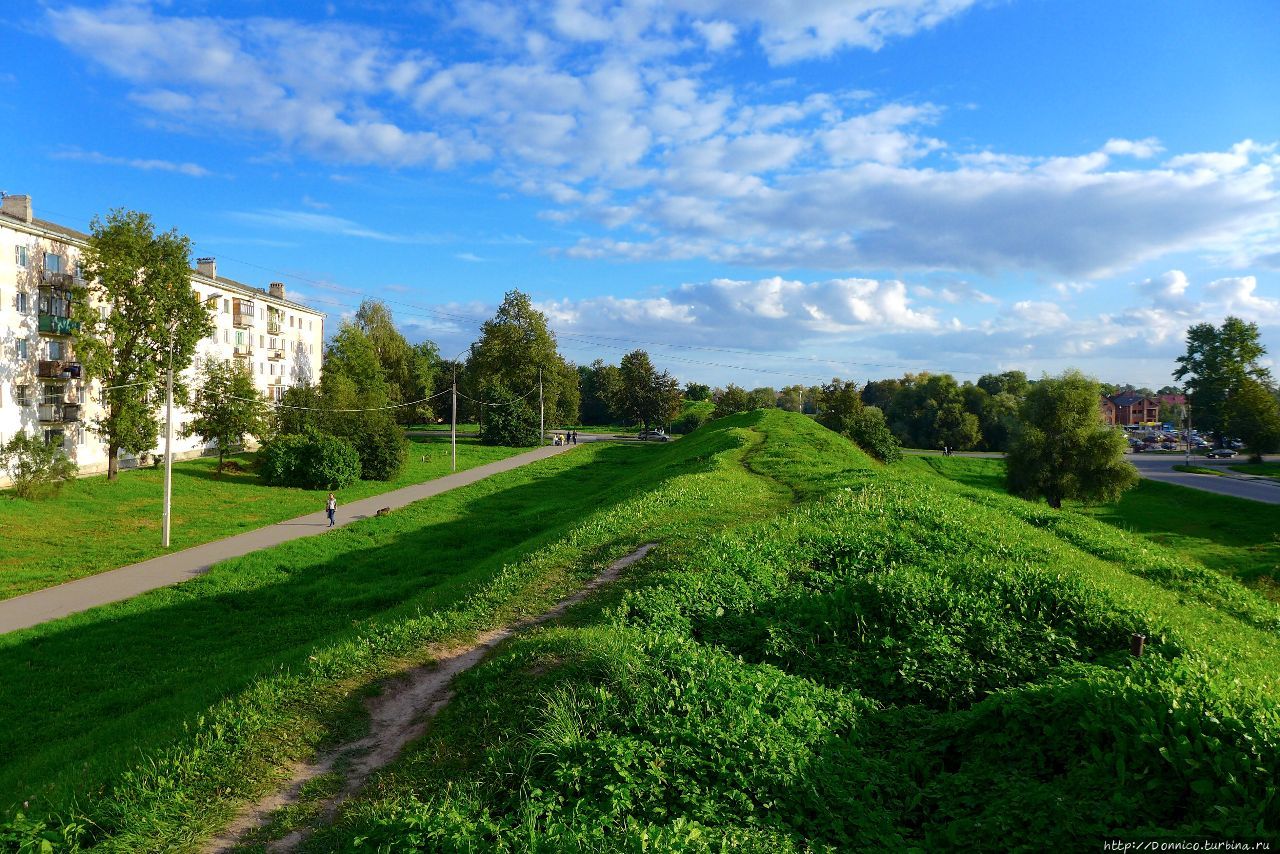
[36, 469]
[824, 653]
[310, 460]
[897, 664]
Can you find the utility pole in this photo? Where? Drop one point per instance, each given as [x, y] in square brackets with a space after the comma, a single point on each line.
[542, 416]
[168, 447]
[453, 421]
[1186, 413]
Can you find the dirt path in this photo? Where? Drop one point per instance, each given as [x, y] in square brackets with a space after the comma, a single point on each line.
[398, 715]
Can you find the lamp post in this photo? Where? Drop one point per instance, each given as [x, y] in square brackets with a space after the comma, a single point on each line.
[168, 446]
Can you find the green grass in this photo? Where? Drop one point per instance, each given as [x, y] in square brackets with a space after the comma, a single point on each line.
[1264, 469]
[900, 662]
[1235, 536]
[96, 525]
[1198, 470]
[150, 717]
[444, 428]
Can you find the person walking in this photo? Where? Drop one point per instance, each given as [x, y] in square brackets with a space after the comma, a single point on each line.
[573, 436]
[331, 507]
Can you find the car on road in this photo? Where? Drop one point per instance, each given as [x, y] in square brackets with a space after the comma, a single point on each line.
[1221, 452]
[653, 436]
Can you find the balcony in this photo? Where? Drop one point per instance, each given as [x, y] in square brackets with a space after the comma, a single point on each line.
[54, 324]
[275, 354]
[60, 280]
[56, 369]
[243, 351]
[273, 326]
[59, 413]
[242, 319]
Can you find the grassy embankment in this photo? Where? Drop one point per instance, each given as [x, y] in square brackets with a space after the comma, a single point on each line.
[1234, 536]
[94, 525]
[899, 662]
[1264, 469]
[145, 722]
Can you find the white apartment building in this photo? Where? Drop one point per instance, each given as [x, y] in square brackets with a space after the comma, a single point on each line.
[43, 388]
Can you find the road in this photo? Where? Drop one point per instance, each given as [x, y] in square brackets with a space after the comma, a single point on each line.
[1160, 467]
[51, 603]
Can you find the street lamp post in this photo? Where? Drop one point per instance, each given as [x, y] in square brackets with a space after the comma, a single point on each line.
[168, 447]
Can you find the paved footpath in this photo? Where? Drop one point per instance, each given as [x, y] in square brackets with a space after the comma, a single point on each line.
[128, 581]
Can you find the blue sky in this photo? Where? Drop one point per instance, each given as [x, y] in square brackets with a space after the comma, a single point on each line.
[761, 192]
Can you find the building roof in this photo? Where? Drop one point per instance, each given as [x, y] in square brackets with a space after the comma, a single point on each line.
[80, 239]
[1128, 399]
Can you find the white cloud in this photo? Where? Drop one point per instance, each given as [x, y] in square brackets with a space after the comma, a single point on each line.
[193, 170]
[1170, 285]
[1139, 148]
[1238, 295]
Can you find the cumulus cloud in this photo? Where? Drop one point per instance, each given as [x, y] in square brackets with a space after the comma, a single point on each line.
[1238, 295]
[618, 114]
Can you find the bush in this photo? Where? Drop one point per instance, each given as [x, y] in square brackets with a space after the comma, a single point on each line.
[381, 445]
[869, 430]
[37, 469]
[511, 422]
[690, 421]
[310, 460]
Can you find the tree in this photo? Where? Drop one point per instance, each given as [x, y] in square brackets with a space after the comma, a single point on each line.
[880, 393]
[791, 398]
[509, 420]
[843, 411]
[355, 395]
[407, 370]
[514, 346]
[599, 388]
[1009, 382]
[227, 408]
[152, 318]
[1216, 365]
[1254, 416]
[36, 468]
[732, 400]
[300, 409]
[763, 398]
[697, 391]
[1062, 449]
[643, 394]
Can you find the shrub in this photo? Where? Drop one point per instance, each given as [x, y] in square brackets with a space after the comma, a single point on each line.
[310, 460]
[869, 430]
[37, 469]
[381, 445]
[690, 421]
[511, 422]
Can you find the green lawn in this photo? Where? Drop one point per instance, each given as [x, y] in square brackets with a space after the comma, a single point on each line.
[215, 681]
[1264, 469]
[1235, 536]
[95, 525]
[444, 428]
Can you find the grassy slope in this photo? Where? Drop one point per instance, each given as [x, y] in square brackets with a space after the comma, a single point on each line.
[157, 713]
[94, 525]
[1265, 469]
[899, 662]
[1232, 535]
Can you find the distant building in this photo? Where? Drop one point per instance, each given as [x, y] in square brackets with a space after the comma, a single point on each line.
[1133, 408]
[44, 389]
[1108, 411]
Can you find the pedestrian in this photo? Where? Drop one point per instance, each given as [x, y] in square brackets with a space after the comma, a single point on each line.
[573, 436]
[331, 507]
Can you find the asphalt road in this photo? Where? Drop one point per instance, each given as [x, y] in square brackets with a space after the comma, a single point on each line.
[1160, 467]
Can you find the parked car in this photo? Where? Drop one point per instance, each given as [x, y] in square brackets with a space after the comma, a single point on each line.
[653, 436]
[1221, 452]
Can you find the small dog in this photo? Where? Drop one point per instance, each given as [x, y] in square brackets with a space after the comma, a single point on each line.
[385, 511]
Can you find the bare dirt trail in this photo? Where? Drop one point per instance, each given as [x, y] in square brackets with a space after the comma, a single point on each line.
[397, 716]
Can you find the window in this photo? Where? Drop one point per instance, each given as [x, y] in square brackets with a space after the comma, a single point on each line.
[21, 257]
[273, 369]
[103, 312]
[310, 325]
[51, 393]
[22, 348]
[226, 336]
[262, 341]
[262, 312]
[57, 350]
[291, 321]
[21, 395]
[20, 302]
[226, 306]
[54, 437]
[262, 368]
[52, 263]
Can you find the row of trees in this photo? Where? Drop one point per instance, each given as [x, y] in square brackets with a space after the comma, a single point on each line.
[631, 392]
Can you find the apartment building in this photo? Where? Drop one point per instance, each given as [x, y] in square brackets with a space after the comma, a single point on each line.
[45, 390]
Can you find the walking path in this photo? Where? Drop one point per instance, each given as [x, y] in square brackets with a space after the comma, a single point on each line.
[51, 603]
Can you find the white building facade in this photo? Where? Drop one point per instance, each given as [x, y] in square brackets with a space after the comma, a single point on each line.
[44, 389]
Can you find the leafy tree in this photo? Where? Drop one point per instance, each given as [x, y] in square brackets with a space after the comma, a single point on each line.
[880, 393]
[514, 344]
[1009, 382]
[643, 394]
[407, 370]
[732, 400]
[928, 412]
[697, 391]
[598, 383]
[300, 408]
[791, 398]
[1216, 365]
[763, 398]
[355, 394]
[1254, 416]
[842, 410]
[998, 421]
[227, 408]
[143, 280]
[509, 420]
[36, 468]
[423, 367]
[1062, 450]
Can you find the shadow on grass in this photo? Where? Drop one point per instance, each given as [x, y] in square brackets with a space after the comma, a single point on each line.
[91, 691]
